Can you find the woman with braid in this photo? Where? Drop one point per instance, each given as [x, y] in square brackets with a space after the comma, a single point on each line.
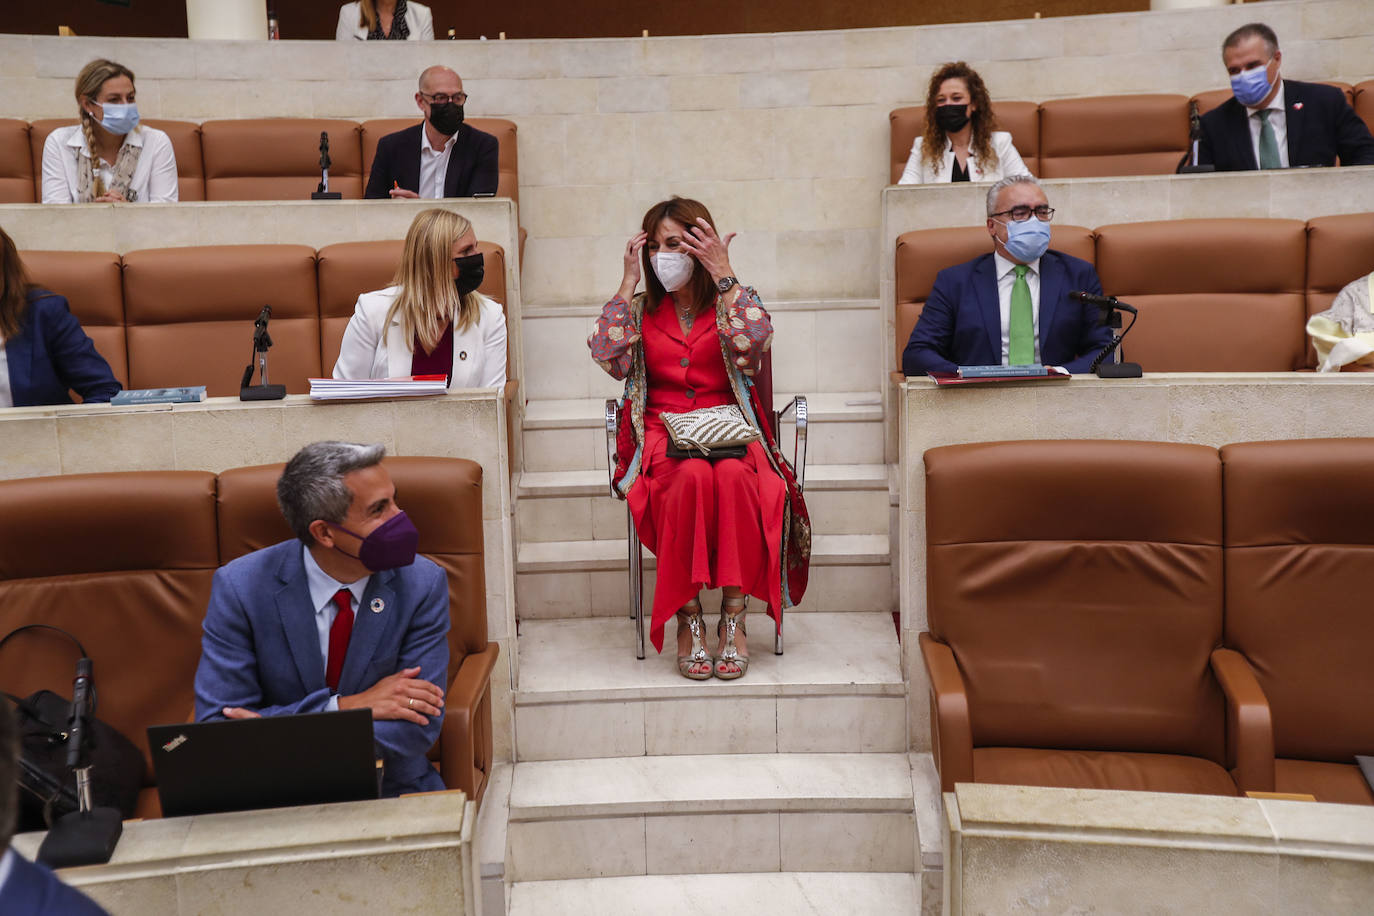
[108, 156]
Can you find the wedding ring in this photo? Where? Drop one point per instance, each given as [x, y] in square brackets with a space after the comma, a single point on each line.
[411, 704]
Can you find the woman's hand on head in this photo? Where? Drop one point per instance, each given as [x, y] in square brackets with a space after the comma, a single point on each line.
[633, 269]
[711, 252]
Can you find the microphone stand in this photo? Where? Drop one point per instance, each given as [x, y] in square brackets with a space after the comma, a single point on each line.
[88, 835]
[262, 342]
[323, 192]
[1191, 165]
[1111, 318]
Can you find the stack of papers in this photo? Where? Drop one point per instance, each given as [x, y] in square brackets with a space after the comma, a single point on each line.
[334, 389]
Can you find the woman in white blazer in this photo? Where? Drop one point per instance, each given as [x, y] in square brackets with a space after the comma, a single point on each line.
[432, 320]
[404, 20]
[959, 142]
[108, 156]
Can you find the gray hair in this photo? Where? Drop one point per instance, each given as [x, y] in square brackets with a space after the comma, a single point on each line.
[9, 785]
[996, 190]
[1252, 30]
[312, 485]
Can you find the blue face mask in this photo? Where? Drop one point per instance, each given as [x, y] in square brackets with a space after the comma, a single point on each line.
[1251, 86]
[1028, 239]
[120, 119]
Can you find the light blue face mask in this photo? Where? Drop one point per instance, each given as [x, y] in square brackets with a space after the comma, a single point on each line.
[120, 118]
[1251, 86]
[1028, 239]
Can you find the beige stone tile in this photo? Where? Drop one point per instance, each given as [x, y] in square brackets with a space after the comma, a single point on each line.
[29, 447]
[156, 894]
[526, 60]
[847, 203]
[930, 811]
[565, 265]
[16, 57]
[673, 56]
[608, 518]
[718, 726]
[353, 99]
[737, 54]
[879, 48]
[214, 440]
[842, 724]
[934, 45]
[355, 422]
[834, 142]
[611, 596]
[1101, 34]
[564, 730]
[119, 441]
[72, 227]
[542, 154]
[1197, 197]
[1323, 191]
[828, 264]
[634, 93]
[1355, 56]
[1215, 415]
[1101, 412]
[560, 365]
[809, 50]
[1113, 201]
[385, 60]
[1336, 20]
[1322, 883]
[794, 351]
[599, 150]
[195, 100]
[713, 92]
[552, 595]
[599, 58]
[845, 443]
[1338, 411]
[849, 588]
[562, 519]
[564, 450]
[575, 211]
[157, 58]
[786, 89]
[29, 98]
[848, 511]
[848, 354]
[502, 711]
[540, 96]
[848, 841]
[712, 843]
[586, 848]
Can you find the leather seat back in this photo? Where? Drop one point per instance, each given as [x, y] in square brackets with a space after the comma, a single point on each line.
[279, 158]
[186, 147]
[1020, 119]
[1214, 295]
[17, 182]
[123, 562]
[1340, 249]
[1299, 563]
[1079, 585]
[92, 284]
[190, 315]
[922, 254]
[1210, 99]
[508, 184]
[1112, 135]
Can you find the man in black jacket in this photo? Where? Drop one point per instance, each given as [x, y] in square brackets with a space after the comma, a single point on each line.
[439, 157]
[1273, 123]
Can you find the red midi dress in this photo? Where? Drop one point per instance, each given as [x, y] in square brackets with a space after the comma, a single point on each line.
[710, 524]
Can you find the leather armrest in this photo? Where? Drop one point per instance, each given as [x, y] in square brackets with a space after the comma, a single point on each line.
[1249, 723]
[465, 739]
[951, 732]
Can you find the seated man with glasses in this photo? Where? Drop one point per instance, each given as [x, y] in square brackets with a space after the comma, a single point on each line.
[1010, 307]
[439, 157]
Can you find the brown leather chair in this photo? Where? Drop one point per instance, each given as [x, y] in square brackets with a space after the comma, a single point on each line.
[1214, 295]
[1364, 102]
[1020, 119]
[123, 562]
[443, 496]
[92, 284]
[279, 158]
[508, 185]
[1298, 629]
[1339, 249]
[1210, 99]
[189, 314]
[1112, 135]
[185, 137]
[1074, 596]
[925, 252]
[16, 163]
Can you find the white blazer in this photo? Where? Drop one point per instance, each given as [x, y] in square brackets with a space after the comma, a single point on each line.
[1009, 163]
[419, 20]
[154, 179]
[479, 353]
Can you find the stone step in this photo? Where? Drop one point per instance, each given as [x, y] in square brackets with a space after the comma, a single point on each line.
[767, 894]
[596, 818]
[837, 688]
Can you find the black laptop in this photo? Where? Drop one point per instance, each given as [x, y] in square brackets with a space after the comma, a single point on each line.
[270, 762]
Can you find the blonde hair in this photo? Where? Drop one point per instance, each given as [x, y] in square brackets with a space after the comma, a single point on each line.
[88, 83]
[428, 299]
[367, 17]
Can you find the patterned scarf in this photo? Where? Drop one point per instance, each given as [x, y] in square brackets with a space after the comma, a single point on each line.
[399, 30]
[88, 183]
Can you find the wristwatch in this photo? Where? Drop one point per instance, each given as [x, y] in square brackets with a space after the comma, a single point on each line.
[724, 284]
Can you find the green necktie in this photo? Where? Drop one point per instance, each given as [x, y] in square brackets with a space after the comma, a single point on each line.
[1268, 146]
[1021, 337]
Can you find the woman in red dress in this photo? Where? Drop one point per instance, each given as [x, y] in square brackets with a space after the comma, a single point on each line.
[693, 339]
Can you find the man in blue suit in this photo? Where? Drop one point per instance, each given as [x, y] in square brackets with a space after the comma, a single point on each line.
[27, 889]
[1010, 307]
[1272, 123]
[346, 617]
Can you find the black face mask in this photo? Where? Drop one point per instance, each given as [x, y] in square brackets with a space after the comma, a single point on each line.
[951, 118]
[470, 273]
[446, 118]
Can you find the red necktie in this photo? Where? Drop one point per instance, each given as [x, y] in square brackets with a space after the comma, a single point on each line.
[338, 638]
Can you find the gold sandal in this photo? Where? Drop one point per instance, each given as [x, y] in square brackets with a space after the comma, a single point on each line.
[730, 623]
[697, 624]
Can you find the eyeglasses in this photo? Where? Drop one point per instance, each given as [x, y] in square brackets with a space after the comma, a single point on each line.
[1022, 213]
[443, 98]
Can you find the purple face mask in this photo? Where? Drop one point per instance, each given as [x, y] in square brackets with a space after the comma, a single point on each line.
[390, 545]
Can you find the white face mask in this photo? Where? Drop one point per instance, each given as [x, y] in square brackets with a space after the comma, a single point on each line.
[673, 268]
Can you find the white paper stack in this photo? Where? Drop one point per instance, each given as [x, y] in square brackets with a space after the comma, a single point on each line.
[334, 389]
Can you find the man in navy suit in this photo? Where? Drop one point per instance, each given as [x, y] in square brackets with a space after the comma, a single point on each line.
[439, 157]
[1273, 123]
[1010, 306]
[27, 889]
[345, 617]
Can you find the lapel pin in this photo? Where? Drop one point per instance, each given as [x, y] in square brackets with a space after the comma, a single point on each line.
[1297, 106]
[378, 605]
[462, 354]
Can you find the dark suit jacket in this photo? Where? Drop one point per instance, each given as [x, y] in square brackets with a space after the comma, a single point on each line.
[472, 166]
[33, 890]
[260, 649]
[1321, 127]
[51, 354]
[961, 324]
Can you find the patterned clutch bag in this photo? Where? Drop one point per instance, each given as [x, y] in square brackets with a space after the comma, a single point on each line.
[709, 428]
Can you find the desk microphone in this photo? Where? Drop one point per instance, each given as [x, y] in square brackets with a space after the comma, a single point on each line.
[323, 192]
[1112, 308]
[1102, 302]
[262, 342]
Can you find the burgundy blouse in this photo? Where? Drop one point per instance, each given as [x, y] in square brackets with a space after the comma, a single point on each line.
[440, 362]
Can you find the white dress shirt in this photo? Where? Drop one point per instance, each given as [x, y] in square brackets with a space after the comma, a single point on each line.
[1278, 119]
[433, 165]
[323, 588]
[1006, 279]
[154, 179]
[6, 395]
